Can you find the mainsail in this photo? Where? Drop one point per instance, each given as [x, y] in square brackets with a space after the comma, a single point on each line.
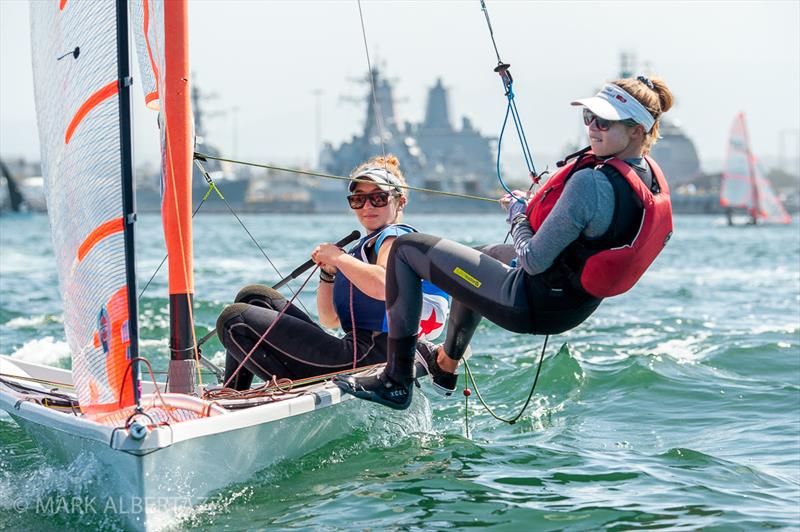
[744, 185]
[86, 167]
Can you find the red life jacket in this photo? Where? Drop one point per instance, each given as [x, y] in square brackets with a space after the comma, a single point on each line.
[639, 229]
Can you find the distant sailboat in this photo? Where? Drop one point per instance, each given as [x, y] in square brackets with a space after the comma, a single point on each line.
[744, 185]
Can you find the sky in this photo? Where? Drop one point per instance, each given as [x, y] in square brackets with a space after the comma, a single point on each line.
[282, 72]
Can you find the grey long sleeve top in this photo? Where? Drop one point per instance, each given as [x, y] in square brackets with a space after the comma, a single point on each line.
[585, 207]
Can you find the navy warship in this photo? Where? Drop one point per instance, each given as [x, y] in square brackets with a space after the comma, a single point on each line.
[433, 154]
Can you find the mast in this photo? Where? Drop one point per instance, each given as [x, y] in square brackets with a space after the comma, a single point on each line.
[177, 202]
[128, 187]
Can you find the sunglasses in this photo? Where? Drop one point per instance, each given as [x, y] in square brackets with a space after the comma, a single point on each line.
[379, 198]
[603, 124]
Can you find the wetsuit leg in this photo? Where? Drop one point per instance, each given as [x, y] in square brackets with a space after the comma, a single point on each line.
[294, 348]
[477, 281]
[463, 319]
[474, 279]
[243, 379]
[266, 297]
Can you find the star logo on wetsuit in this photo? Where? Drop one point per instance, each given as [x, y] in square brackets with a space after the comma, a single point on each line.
[429, 324]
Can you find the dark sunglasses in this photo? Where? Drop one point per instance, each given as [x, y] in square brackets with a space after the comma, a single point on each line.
[603, 124]
[379, 198]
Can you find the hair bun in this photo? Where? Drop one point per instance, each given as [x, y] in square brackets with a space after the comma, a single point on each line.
[388, 160]
[665, 97]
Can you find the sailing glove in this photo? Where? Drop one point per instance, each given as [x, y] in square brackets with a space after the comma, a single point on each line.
[515, 206]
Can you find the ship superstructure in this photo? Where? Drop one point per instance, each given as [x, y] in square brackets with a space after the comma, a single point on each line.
[433, 154]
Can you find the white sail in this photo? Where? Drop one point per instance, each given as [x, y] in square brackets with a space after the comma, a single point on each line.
[147, 21]
[74, 48]
[744, 184]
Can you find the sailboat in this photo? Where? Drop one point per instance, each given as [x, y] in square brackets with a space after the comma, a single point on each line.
[151, 438]
[744, 185]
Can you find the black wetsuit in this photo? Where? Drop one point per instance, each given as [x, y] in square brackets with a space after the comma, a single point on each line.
[482, 283]
[297, 347]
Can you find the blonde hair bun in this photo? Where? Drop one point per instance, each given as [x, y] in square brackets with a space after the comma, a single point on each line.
[655, 96]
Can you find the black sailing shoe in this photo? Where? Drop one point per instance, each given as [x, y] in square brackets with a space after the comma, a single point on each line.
[444, 382]
[378, 389]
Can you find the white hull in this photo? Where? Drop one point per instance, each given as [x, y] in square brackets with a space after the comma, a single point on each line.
[182, 463]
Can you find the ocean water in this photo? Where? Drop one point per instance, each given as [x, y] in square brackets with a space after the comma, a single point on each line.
[676, 406]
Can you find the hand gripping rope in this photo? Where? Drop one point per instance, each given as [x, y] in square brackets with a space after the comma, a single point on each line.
[511, 109]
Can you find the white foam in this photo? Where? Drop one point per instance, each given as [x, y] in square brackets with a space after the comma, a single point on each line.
[688, 350]
[47, 479]
[45, 350]
[159, 342]
[32, 322]
[789, 328]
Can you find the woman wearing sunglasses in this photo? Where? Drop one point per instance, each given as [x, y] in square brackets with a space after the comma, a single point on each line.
[350, 295]
[590, 232]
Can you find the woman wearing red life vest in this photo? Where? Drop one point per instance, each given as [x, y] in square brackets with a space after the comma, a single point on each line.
[589, 233]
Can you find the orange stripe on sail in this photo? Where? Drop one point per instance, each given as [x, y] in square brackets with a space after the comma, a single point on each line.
[92, 102]
[150, 97]
[153, 95]
[99, 233]
[62, 5]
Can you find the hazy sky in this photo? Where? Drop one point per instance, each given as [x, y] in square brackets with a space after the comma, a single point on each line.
[267, 58]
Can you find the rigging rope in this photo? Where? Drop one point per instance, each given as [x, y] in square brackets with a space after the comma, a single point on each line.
[341, 178]
[210, 181]
[158, 269]
[469, 376]
[511, 109]
[212, 186]
[375, 105]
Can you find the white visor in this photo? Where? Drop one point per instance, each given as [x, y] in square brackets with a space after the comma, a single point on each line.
[613, 103]
[385, 180]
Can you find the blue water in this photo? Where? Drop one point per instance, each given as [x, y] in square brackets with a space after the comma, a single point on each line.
[676, 406]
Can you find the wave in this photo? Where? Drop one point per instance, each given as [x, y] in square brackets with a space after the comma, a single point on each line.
[33, 322]
[45, 350]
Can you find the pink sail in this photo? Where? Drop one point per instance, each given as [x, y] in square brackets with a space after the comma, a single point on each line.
[744, 185]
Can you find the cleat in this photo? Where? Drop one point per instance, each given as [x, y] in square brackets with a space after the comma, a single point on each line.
[444, 382]
[378, 389]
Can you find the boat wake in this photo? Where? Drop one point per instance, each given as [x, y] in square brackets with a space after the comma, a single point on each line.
[64, 494]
